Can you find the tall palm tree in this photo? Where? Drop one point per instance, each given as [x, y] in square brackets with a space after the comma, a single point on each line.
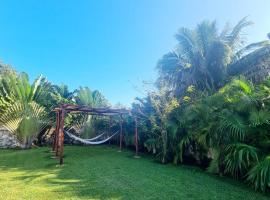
[202, 57]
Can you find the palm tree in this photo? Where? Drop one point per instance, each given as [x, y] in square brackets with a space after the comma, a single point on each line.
[255, 66]
[22, 114]
[155, 109]
[84, 96]
[85, 124]
[61, 94]
[203, 56]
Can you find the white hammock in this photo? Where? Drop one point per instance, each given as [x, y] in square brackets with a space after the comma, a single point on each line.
[91, 139]
[94, 138]
[86, 141]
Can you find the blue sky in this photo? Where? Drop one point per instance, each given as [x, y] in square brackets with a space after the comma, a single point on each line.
[110, 45]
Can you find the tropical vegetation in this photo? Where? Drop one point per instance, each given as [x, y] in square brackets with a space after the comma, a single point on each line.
[210, 106]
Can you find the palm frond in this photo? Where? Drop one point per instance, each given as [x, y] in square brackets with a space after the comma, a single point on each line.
[239, 158]
[187, 42]
[235, 38]
[184, 142]
[233, 126]
[25, 120]
[250, 48]
[206, 33]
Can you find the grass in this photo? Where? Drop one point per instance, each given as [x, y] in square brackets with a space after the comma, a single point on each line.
[104, 173]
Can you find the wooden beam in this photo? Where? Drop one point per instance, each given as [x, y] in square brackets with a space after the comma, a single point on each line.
[90, 110]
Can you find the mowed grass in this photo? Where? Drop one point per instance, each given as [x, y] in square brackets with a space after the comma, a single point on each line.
[104, 173]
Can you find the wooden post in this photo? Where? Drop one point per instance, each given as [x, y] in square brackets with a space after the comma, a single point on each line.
[61, 137]
[55, 133]
[110, 128]
[121, 133]
[136, 136]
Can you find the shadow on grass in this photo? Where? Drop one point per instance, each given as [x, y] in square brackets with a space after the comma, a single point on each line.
[36, 167]
[104, 173]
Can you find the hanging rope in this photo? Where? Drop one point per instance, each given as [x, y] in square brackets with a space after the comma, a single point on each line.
[86, 141]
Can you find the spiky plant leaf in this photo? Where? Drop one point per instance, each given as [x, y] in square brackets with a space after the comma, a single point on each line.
[259, 175]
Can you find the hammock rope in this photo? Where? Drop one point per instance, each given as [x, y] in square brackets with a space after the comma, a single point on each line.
[87, 141]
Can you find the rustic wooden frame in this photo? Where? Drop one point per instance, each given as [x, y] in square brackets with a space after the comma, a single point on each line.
[61, 111]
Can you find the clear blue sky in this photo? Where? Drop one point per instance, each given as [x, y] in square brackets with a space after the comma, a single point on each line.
[108, 45]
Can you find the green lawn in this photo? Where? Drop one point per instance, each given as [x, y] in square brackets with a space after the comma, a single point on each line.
[104, 173]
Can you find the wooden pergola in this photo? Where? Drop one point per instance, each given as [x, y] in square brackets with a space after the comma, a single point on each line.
[61, 111]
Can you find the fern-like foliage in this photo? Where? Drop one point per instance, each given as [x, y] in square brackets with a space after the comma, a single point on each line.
[232, 125]
[259, 117]
[239, 158]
